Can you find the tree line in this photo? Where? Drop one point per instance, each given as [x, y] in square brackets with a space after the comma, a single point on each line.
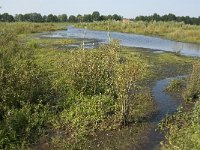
[37, 17]
[95, 16]
[169, 17]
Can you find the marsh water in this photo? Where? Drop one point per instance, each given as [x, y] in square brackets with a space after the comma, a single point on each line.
[125, 138]
[166, 104]
[93, 38]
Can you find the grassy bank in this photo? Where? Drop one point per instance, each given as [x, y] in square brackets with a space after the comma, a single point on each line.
[170, 30]
[182, 129]
[28, 28]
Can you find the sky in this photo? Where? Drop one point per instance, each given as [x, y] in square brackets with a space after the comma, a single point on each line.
[125, 8]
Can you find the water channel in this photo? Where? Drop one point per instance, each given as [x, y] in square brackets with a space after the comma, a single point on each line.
[93, 37]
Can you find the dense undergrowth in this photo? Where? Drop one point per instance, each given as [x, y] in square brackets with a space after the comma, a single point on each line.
[78, 94]
[102, 92]
[60, 98]
[171, 30]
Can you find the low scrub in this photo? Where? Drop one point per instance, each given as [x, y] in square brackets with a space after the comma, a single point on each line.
[192, 91]
[26, 91]
[77, 93]
[182, 130]
[177, 85]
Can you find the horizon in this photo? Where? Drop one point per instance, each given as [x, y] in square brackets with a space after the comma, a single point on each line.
[105, 7]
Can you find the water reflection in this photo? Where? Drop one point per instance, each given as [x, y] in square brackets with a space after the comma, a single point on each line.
[130, 40]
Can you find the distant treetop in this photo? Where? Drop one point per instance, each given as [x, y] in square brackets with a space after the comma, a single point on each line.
[37, 17]
[95, 16]
[169, 17]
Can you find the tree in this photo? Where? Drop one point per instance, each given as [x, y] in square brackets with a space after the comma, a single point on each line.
[7, 18]
[102, 18]
[62, 18]
[199, 20]
[171, 17]
[95, 16]
[156, 17]
[79, 18]
[72, 18]
[52, 18]
[0, 17]
[19, 18]
[87, 18]
[35, 17]
[109, 17]
[44, 18]
[187, 20]
[116, 17]
[27, 17]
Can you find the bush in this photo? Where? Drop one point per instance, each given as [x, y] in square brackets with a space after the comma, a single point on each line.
[88, 113]
[21, 81]
[192, 91]
[22, 127]
[93, 72]
[176, 85]
[26, 91]
[183, 130]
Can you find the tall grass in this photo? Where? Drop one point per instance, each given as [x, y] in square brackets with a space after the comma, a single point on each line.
[27, 28]
[170, 30]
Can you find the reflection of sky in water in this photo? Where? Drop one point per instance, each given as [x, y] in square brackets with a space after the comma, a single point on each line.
[166, 103]
[131, 40]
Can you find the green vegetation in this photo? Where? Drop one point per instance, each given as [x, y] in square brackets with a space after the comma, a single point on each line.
[84, 121]
[63, 98]
[26, 94]
[192, 91]
[78, 92]
[170, 17]
[176, 85]
[37, 17]
[95, 16]
[170, 30]
[183, 128]
[98, 91]
[27, 28]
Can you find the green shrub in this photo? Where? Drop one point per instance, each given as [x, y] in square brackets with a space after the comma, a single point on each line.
[88, 113]
[177, 85]
[93, 72]
[86, 92]
[183, 130]
[21, 80]
[192, 91]
[22, 127]
[25, 93]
